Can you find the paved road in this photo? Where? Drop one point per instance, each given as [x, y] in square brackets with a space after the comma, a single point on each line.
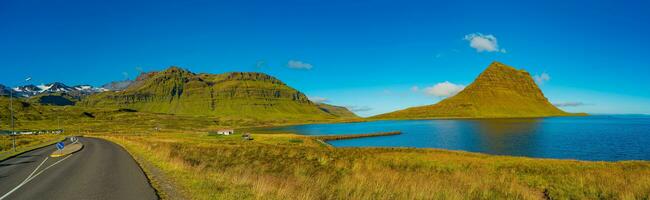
[101, 170]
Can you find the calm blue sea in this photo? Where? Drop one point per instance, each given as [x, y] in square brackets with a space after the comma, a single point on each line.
[601, 137]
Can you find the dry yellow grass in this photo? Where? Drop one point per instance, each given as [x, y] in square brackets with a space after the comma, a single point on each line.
[286, 166]
[25, 143]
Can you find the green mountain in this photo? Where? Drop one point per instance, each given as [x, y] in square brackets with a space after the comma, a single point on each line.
[500, 91]
[229, 95]
[338, 111]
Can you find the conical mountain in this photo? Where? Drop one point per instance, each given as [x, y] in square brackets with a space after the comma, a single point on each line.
[500, 91]
[229, 95]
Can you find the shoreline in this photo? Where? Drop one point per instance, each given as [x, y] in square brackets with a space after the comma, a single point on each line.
[352, 136]
[372, 119]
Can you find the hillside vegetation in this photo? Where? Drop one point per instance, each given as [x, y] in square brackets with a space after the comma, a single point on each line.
[238, 94]
[500, 91]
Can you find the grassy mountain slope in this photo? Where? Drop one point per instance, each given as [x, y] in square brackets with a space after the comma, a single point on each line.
[338, 111]
[21, 108]
[56, 99]
[37, 116]
[500, 91]
[30, 114]
[230, 95]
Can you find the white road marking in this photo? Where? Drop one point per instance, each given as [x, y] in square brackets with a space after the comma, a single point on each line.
[39, 166]
[32, 177]
[39, 173]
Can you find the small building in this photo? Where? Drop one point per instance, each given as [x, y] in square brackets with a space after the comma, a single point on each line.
[226, 132]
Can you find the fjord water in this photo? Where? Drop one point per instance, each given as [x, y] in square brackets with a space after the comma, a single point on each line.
[599, 138]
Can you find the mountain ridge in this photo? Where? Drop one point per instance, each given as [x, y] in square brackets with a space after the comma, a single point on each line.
[340, 111]
[233, 94]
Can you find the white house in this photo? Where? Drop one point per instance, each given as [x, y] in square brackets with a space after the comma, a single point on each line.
[226, 132]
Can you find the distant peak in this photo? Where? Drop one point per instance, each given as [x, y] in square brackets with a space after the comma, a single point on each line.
[57, 84]
[254, 76]
[175, 69]
[496, 63]
[142, 76]
[498, 67]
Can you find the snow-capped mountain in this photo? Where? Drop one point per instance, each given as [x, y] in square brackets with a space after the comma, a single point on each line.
[51, 88]
[26, 90]
[88, 89]
[55, 87]
[60, 88]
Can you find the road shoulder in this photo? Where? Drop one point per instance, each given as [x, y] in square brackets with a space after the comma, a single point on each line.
[163, 185]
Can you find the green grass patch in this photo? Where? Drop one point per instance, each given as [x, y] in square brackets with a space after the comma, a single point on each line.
[295, 140]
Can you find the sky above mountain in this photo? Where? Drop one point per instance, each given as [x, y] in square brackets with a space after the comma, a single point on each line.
[371, 56]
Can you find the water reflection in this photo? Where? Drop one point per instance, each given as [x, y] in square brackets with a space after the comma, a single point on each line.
[507, 136]
[585, 138]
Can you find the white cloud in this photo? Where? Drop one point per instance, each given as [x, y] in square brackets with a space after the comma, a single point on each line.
[297, 64]
[444, 89]
[318, 99]
[359, 108]
[482, 43]
[542, 78]
[570, 104]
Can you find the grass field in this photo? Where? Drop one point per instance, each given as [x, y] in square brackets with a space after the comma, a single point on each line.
[286, 166]
[25, 143]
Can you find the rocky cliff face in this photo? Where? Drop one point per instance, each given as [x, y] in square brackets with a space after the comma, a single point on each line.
[237, 94]
[500, 91]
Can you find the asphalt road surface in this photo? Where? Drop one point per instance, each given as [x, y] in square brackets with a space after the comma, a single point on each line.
[101, 170]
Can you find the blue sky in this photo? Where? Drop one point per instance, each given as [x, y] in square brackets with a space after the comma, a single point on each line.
[373, 56]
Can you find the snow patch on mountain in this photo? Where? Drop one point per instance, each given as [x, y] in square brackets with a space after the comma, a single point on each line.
[57, 87]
